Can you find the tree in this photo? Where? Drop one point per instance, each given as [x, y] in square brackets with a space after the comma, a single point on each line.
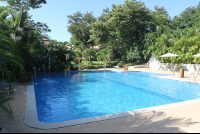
[124, 27]
[79, 54]
[187, 18]
[10, 63]
[131, 55]
[16, 31]
[89, 54]
[24, 31]
[104, 55]
[79, 27]
[60, 56]
[18, 4]
[160, 17]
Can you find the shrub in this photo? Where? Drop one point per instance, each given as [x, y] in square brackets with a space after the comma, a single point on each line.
[117, 60]
[129, 64]
[96, 67]
[73, 67]
[101, 66]
[120, 64]
[109, 65]
[76, 60]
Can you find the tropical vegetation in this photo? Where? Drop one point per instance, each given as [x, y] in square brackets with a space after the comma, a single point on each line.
[128, 33]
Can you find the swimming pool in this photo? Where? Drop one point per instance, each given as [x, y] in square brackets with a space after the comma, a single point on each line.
[77, 95]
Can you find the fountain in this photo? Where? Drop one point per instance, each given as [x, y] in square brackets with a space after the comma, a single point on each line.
[43, 68]
[49, 63]
[34, 68]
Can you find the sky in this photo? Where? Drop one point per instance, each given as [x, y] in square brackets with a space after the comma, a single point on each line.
[55, 12]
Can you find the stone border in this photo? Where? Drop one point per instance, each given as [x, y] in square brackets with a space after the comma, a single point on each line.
[31, 118]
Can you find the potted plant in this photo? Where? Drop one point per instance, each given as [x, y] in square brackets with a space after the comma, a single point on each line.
[125, 67]
[181, 71]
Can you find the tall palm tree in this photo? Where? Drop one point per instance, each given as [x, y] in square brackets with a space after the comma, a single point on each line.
[105, 55]
[79, 55]
[10, 63]
[133, 54]
[89, 54]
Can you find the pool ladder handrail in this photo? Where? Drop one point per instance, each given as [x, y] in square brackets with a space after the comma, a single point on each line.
[193, 73]
[196, 76]
[195, 70]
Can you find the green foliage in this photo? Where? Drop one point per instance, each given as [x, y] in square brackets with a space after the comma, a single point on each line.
[117, 60]
[133, 55]
[129, 64]
[104, 55]
[160, 16]
[5, 106]
[79, 27]
[91, 67]
[89, 54]
[17, 4]
[60, 56]
[123, 28]
[187, 18]
[120, 64]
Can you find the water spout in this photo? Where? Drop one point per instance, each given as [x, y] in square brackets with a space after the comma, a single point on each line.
[49, 64]
[43, 68]
[35, 72]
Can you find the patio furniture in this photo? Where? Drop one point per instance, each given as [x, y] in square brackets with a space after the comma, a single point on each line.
[162, 66]
[6, 85]
[168, 67]
[175, 68]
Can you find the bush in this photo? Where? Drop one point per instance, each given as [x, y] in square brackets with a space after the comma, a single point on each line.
[76, 60]
[139, 62]
[120, 65]
[117, 60]
[109, 65]
[114, 63]
[91, 66]
[129, 64]
[101, 66]
[73, 67]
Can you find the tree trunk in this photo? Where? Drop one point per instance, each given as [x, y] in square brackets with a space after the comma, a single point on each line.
[105, 64]
[78, 64]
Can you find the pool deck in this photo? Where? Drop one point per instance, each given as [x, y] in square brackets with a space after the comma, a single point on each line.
[179, 119]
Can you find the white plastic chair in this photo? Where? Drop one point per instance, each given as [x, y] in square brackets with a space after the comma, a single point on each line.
[162, 66]
[167, 67]
[175, 68]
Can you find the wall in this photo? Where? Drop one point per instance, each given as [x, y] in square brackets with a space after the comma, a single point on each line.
[155, 64]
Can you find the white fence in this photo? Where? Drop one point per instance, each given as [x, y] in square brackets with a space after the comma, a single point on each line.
[155, 64]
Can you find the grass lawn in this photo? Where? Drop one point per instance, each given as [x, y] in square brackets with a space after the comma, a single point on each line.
[95, 62]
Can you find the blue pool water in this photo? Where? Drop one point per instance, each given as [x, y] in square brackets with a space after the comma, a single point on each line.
[76, 95]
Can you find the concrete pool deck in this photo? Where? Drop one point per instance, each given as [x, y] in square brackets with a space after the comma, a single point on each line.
[184, 118]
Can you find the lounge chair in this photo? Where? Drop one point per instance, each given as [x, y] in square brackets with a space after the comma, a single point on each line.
[6, 84]
[175, 68]
[162, 66]
[168, 67]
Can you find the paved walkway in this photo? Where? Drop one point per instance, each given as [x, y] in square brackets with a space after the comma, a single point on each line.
[180, 119]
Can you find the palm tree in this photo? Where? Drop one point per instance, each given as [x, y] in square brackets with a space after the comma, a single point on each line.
[133, 55]
[105, 55]
[88, 54]
[60, 56]
[10, 63]
[78, 45]
[79, 55]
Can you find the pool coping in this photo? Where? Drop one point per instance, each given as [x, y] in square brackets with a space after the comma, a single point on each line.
[31, 118]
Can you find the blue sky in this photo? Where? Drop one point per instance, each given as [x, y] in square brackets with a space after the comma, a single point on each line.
[55, 12]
